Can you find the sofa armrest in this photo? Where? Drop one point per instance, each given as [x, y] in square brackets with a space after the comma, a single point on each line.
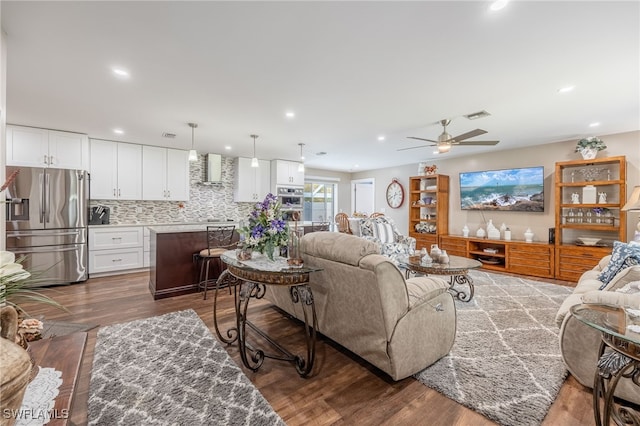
[612, 298]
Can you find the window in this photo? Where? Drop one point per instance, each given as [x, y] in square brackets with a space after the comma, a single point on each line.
[319, 201]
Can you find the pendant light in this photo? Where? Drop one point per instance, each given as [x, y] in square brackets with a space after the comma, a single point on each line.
[193, 154]
[301, 165]
[254, 160]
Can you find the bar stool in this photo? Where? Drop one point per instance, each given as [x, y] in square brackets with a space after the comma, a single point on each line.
[219, 240]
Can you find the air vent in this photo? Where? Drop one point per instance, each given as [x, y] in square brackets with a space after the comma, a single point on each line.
[476, 115]
[321, 153]
[168, 135]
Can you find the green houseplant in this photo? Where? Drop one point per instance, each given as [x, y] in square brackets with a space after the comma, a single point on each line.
[589, 147]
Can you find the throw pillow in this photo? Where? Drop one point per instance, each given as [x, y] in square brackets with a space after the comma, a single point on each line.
[623, 256]
[383, 232]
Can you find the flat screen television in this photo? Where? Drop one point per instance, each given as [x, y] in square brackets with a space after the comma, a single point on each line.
[520, 189]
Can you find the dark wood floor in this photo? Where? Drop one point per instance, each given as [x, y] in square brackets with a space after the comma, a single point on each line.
[342, 390]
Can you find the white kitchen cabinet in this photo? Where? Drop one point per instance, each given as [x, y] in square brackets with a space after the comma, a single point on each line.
[285, 173]
[251, 184]
[114, 249]
[35, 147]
[116, 170]
[165, 174]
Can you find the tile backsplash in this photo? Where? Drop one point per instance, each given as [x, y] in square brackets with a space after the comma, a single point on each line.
[205, 201]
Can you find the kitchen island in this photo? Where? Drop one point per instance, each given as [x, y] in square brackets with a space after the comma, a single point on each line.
[172, 269]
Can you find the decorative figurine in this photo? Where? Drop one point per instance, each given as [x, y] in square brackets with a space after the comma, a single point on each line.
[602, 198]
[575, 198]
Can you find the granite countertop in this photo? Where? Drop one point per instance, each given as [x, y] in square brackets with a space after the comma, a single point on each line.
[185, 227]
[196, 225]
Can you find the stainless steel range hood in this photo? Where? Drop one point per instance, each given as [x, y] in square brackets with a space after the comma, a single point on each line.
[213, 170]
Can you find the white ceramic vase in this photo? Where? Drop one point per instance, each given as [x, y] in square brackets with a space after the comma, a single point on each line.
[528, 235]
[588, 153]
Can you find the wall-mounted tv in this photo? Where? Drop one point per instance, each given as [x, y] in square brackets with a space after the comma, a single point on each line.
[519, 189]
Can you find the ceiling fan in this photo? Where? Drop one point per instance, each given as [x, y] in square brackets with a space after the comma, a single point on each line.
[446, 141]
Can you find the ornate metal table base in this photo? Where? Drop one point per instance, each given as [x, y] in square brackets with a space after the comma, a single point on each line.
[462, 280]
[252, 358]
[622, 362]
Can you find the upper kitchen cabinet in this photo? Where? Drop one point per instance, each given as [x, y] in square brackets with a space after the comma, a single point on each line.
[165, 174]
[285, 173]
[251, 184]
[34, 147]
[116, 171]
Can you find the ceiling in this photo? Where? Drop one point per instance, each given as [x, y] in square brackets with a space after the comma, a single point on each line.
[351, 72]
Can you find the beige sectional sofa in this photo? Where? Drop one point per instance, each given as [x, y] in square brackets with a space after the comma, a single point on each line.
[579, 343]
[364, 303]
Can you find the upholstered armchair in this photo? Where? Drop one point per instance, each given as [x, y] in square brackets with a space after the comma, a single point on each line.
[384, 231]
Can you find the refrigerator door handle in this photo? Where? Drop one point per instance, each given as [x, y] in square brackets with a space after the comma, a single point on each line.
[40, 234]
[48, 250]
[42, 190]
[46, 197]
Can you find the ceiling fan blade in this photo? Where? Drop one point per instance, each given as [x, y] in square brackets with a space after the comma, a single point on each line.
[468, 143]
[476, 132]
[413, 147]
[422, 139]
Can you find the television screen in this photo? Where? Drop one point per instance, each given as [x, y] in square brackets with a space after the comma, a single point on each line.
[504, 190]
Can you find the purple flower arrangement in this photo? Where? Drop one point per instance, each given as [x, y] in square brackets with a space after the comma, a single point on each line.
[266, 230]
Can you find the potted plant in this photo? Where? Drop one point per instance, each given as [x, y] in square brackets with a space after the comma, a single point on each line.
[589, 147]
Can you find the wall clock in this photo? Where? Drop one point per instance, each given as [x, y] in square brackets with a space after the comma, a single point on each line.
[395, 194]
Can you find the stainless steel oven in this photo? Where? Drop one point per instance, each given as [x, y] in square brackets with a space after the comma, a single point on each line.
[291, 199]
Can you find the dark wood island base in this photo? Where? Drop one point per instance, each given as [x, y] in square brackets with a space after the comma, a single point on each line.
[173, 268]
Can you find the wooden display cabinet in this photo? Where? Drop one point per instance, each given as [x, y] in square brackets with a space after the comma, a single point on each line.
[517, 257]
[581, 210]
[428, 209]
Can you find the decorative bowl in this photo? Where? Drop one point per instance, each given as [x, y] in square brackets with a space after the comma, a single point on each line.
[587, 241]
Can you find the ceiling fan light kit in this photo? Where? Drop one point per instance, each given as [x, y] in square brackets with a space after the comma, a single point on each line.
[445, 140]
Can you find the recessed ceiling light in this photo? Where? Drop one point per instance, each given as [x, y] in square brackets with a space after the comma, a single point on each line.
[381, 137]
[290, 114]
[120, 72]
[566, 89]
[355, 166]
[228, 148]
[594, 124]
[498, 4]
[118, 131]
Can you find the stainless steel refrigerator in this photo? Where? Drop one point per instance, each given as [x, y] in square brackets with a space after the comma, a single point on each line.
[47, 221]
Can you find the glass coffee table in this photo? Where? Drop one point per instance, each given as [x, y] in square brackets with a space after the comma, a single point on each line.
[620, 328]
[458, 268]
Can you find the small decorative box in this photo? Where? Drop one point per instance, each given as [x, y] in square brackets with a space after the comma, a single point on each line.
[589, 194]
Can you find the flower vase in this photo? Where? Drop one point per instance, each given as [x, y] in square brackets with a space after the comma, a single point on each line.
[293, 250]
[588, 153]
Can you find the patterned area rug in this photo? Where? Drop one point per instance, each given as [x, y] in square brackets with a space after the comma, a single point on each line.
[170, 370]
[505, 362]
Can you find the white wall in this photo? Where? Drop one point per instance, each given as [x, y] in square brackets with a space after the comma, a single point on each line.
[3, 124]
[627, 144]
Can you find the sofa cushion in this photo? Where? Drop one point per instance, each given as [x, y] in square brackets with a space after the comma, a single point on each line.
[338, 247]
[612, 298]
[623, 277]
[623, 256]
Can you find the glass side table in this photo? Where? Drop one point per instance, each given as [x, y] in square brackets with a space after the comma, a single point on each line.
[248, 279]
[620, 328]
